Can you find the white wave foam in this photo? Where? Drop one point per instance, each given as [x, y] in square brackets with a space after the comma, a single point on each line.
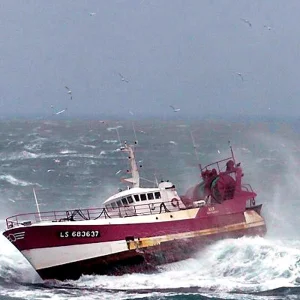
[63, 294]
[13, 266]
[110, 141]
[248, 264]
[245, 264]
[66, 151]
[36, 144]
[88, 146]
[114, 128]
[27, 154]
[14, 181]
[18, 156]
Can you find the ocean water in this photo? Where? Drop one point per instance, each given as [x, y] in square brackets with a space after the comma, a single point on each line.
[77, 163]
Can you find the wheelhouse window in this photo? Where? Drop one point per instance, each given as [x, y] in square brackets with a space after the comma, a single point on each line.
[124, 201]
[113, 205]
[129, 199]
[157, 195]
[108, 206]
[119, 203]
[136, 198]
[143, 197]
[150, 196]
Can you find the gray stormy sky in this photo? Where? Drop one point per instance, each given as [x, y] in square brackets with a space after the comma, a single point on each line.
[185, 53]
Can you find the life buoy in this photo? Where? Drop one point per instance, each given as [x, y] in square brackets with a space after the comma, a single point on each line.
[175, 202]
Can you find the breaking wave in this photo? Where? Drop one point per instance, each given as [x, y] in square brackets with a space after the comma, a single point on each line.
[234, 266]
[14, 181]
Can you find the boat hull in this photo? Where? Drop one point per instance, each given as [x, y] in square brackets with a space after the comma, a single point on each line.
[56, 251]
[145, 260]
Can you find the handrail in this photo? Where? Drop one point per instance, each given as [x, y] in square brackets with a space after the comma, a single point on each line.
[215, 163]
[90, 214]
[219, 161]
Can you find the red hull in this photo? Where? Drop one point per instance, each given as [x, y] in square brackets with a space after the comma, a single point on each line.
[142, 260]
[48, 235]
[144, 246]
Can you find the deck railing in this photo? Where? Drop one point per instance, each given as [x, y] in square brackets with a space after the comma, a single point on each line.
[90, 214]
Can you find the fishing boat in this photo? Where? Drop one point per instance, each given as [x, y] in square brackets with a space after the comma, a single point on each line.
[139, 228]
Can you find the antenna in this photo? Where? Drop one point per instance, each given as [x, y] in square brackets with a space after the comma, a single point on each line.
[119, 139]
[232, 154]
[156, 181]
[136, 140]
[195, 148]
[37, 205]
[135, 179]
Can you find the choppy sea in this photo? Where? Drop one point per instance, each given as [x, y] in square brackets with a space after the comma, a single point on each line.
[77, 163]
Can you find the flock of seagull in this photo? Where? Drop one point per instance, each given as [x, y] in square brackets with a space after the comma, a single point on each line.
[69, 92]
[55, 112]
[123, 79]
[250, 25]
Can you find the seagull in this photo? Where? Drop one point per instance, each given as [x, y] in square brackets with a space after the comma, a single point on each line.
[69, 91]
[123, 78]
[268, 27]
[247, 22]
[61, 111]
[175, 109]
[240, 74]
[92, 14]
[58, 112]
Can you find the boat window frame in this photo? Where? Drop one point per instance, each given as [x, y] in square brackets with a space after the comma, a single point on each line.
[114, 205]
[137, 198]
[119, 202]
[151, 195]
[124, 201]
[157, 194]
[129, 199]
[142, 196]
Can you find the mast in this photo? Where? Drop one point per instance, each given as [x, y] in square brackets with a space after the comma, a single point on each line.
[37, 205]
[231, 150]
[135, 179]
[195, 149]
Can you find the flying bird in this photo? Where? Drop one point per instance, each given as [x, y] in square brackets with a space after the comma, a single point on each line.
[58, 112]
[175, 109]
[92, 14]
[241, 76]
[268, 27]
[247, 22]
[123, 78]
[61, 111]
[69, 92]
